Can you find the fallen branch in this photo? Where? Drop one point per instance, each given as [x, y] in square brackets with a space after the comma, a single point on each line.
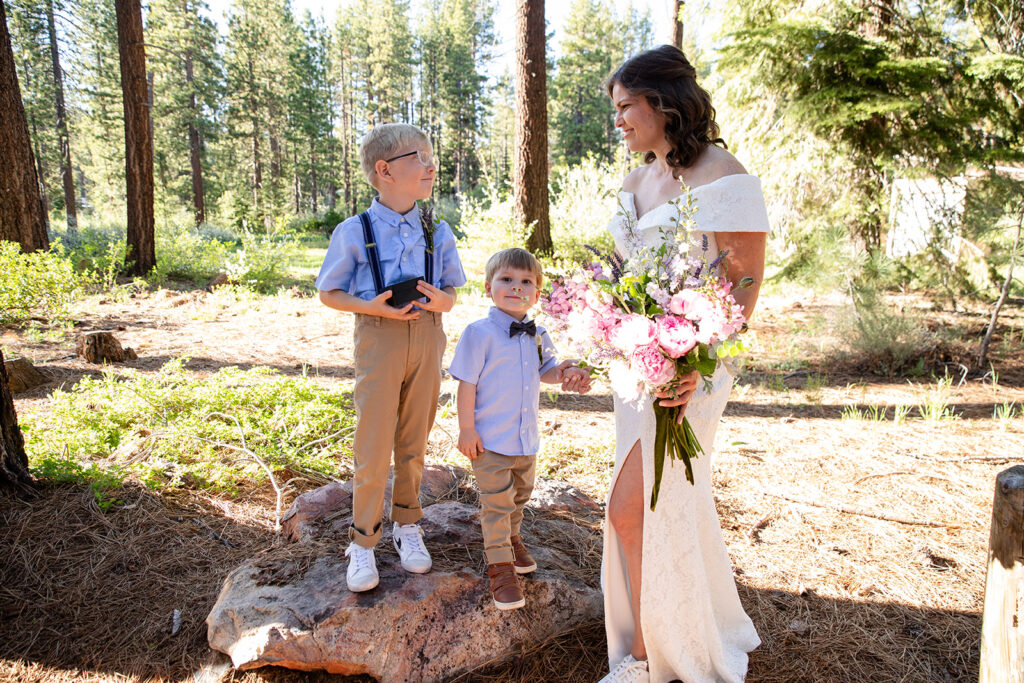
[863, 512]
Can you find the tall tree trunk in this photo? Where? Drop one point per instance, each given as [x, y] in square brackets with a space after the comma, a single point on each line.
[41, 173]
[21, 205]
[194, 145]
[257, 169]
[297, 186]
[13, 460]
[332, 186]
[70, 207]
[138, 138]
[312, 173]
[677, 22]
[530, 173]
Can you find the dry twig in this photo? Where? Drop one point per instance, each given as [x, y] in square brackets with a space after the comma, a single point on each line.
[863, 512]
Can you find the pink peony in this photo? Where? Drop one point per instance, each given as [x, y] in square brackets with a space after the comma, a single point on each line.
[691, 304]
[652, 365]
[677, 336]
[634, 331]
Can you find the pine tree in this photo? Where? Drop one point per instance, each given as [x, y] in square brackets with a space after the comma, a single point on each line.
[98, 127]
[583, 116]
[530, 170]
[188, 83]
[309, 110]
[30, 41]
[22, 219]
[258, 70]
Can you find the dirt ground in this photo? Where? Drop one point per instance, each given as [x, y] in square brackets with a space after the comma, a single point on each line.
[803, 486]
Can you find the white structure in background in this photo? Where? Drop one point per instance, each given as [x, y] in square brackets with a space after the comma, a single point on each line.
[926, 211]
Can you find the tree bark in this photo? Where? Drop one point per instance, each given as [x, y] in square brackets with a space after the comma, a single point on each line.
[13, 460]
[677, 22]
[138, 140]
[70, 207]
[21, 205]
[530, 171]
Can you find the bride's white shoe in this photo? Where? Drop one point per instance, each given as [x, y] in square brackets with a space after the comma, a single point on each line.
[629, 670]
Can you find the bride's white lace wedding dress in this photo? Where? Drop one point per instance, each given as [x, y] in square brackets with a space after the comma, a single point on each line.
[693, 624]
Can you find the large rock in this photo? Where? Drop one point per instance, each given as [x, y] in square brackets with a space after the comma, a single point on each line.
[559, 496]
[290, 606]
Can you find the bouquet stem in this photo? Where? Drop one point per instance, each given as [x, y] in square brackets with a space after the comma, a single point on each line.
[674, 439]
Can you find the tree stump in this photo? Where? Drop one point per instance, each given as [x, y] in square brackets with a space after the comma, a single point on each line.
[97, 347]
[22, 375]
[1002, 629]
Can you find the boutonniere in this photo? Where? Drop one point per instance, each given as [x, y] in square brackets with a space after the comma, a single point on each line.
[429, 224]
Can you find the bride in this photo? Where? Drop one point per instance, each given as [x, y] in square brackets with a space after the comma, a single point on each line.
[671, 606]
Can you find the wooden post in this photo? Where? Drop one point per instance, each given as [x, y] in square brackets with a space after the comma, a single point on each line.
[1002, 628]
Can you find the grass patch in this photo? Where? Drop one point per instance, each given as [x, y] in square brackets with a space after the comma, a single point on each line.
[173, 429]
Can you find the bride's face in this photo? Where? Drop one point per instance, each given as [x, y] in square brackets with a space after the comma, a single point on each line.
[642, 126]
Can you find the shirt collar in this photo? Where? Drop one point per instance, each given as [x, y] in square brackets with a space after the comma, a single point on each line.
[503, 319]
[392, 217]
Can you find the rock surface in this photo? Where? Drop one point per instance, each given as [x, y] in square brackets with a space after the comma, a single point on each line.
[22, 375]
[290, 605]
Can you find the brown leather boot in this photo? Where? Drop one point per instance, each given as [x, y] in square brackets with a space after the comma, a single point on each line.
[523, 563]
[505, 590]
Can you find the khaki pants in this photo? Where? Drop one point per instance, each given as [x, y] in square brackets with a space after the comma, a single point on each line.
[398, 377]
[505, 482]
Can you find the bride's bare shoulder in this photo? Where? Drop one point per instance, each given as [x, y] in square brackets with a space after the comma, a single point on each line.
[634, 179]
[715, 163]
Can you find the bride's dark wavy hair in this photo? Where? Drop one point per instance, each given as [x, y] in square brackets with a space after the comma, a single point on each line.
[666, 78]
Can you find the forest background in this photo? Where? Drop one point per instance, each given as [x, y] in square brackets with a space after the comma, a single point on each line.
[256, 126]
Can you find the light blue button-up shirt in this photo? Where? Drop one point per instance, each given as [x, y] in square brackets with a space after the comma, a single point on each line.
[400, 245]
[506, 371]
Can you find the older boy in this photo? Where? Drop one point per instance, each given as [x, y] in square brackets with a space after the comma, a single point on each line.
[500, 362]
[391, 250]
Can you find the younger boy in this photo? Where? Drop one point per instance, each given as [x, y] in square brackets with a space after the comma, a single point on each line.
[392, 249]
[500, 362]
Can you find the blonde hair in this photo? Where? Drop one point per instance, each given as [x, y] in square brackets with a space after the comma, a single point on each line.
[385, 141]
[514, 258]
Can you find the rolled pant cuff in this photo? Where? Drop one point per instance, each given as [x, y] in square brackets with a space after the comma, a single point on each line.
[499, 555]
[367, 541]
[406, 515]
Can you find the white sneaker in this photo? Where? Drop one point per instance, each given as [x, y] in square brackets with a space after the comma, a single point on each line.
[629, 670]
[408, 540]
[362, 568]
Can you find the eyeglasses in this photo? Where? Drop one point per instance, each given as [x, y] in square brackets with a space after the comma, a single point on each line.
[425, 159]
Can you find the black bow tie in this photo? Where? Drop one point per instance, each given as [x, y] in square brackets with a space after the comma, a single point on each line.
[529, 328]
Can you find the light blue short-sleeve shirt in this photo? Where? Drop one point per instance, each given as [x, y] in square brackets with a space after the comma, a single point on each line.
[401, 246]
[506, 371]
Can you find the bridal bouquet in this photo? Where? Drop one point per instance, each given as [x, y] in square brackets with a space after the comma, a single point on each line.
[649, 321]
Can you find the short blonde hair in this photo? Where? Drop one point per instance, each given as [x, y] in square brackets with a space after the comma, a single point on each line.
[514, 258]
[385, 141]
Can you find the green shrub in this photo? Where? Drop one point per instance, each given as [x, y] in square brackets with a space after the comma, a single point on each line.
[889, 340]
[38, 284]
[161, 427]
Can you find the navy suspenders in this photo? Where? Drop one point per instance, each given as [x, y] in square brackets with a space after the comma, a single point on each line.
[373, 256]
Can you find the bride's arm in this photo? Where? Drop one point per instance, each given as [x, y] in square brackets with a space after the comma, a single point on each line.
[745, 259]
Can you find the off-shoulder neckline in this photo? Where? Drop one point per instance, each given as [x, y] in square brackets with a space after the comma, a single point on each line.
[632, 197]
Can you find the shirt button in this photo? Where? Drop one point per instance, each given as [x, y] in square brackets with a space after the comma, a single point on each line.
[405, 258]
[405, 234]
